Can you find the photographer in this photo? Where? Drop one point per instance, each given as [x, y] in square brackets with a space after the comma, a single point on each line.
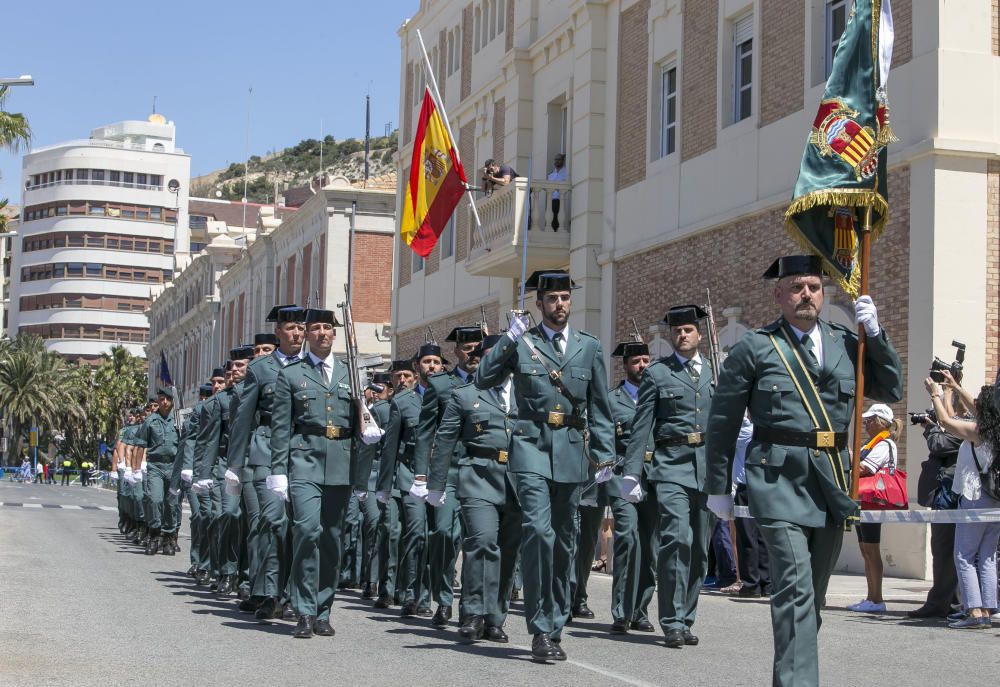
[934, 491]
[496, 174]
[975, 542]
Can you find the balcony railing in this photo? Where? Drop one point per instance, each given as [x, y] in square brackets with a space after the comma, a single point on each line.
[94, 182]
[502, 214]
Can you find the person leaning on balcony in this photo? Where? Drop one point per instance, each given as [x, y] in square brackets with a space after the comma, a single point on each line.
[496, 174]
[560, 175]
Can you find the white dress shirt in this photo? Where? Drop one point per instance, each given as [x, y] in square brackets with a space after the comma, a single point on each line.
[816, 334]
[696, 359]
[326, 362]
[560, 175]
[549, 333]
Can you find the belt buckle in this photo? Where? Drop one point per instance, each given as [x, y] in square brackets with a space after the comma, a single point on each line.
[647, 457]
[556, 419]
[825, 440]
[694, 438]
[332, 432]
[502, 457]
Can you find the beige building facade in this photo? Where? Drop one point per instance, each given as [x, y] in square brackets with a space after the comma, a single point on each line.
[683, 124]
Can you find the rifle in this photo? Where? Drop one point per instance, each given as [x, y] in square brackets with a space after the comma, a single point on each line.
[636, 336]
[713, 339]
[483, 324]
[356, 367]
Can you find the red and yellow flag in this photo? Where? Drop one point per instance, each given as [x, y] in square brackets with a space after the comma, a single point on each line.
[436, 184]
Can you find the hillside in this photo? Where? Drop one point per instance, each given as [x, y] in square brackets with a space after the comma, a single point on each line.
[296, 165]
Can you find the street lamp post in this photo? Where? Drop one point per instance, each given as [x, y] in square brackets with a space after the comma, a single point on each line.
[23, 80]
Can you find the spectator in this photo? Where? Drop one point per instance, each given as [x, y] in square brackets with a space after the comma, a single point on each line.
[66, 465]
[39, 472]
[559, 174]
[977, 580]
[25, 470]
[881, 428]
[751, 551]
[496, 174]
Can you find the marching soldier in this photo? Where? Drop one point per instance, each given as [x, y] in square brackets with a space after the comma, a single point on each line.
[250, 457]
[491, 518]
[397, 471]
[674, 400]
[444, 532]
[633, 567]
[390, 520]
[372, 562]
[181, 480]
[797, 378]
[560, 379]
[158, 438]
[589, 516]
[318, 459]
[204, 487]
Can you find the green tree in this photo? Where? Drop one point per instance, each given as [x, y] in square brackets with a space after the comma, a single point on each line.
[15, 132]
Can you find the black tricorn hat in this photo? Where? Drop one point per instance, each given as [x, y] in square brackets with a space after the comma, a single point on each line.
[261, 339]
[684, 314]
[627, 349]
[289, 313]
[218, 372]
[205, 390]
[403, 365]
[549, 280]
[241, 352]
[429, 348]
[164, 391]
[462, 335]
[382, 378]
[486, 344]
[791, 265]
[272, 316]
[314, 315]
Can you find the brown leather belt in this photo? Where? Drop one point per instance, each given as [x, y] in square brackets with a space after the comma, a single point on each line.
[554, 419]
[329, 431]
[815, 439]
[490, 453]
[690, 439]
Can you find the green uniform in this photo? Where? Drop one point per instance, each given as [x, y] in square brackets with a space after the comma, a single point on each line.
[547, 457]
[211, 446]
[635, 525]
[158, 435]
[396, 471]
[250, 457]
[132, 492]
[185, 461]
[797, 493]
[672, 410]
[382, 544]
[491, 517]
[444, 532]
[314, 443]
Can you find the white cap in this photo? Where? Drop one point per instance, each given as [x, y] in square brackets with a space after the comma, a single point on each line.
[880, 410]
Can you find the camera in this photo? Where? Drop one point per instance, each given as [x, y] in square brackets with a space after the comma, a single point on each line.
[920, 418]
[955, 368]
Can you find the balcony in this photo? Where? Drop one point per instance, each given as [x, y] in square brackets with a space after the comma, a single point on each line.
[502, 215]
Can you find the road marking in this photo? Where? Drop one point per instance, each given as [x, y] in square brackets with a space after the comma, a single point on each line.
[73, 507]
[31, 505]
[601, 671]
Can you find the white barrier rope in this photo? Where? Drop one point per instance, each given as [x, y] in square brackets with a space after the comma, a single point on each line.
[914, 516]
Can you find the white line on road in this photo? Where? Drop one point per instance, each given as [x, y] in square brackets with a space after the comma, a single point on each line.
[73, 507]
[32, 505]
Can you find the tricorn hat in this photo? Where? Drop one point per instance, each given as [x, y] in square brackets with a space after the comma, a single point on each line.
[627, 349]
[430, 348]
[218, 372]
[402, 365]
[791, 265]
[314, 315]
[486, 344]
[263, 339]
[684, 314]
[549, 280]
[241, 352]
[462, 335]
[272, 316]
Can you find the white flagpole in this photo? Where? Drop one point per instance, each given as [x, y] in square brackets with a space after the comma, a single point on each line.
[436, 95]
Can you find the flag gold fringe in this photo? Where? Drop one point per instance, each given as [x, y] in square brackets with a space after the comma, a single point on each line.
[845, 197]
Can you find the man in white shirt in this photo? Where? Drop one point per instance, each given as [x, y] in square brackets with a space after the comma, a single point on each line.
[560, 174]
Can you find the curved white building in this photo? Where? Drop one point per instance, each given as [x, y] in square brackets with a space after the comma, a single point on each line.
[102, 221]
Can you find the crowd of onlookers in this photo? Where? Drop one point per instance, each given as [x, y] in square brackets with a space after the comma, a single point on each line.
[46, 473]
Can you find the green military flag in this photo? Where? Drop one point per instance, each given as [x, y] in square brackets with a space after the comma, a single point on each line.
[843, 167]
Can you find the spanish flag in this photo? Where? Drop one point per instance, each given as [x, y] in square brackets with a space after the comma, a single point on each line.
[436, 184]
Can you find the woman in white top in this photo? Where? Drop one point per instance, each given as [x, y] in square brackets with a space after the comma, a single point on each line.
[881, 428]
[973, 540]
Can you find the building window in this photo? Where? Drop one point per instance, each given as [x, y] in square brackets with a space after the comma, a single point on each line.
[668, 110]
[417, 263]
[837, 12]
[448, 238]
[742, 67]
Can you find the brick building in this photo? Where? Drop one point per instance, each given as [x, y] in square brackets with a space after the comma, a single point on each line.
[683, 124]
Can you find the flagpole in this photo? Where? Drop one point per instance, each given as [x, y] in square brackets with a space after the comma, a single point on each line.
[859, 367]
[436, 94]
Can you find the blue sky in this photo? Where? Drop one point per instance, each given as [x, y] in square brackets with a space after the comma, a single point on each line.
[102, 62]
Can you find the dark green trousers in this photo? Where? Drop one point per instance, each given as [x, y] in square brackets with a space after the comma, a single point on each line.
[548, 546]
[251, 514]
[492, 535]
[213, 502]
[390, 532]
[161, 512]
[272, 538]
[589, 520]
[634, 562]
[350, 562]
[228, 531]
[317, 529]
[444, 539]
[801, 562]
[684, 525]
[197, 520]
[371, 569]
[411, 583]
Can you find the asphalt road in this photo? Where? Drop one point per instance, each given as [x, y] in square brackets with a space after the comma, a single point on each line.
[80, 607]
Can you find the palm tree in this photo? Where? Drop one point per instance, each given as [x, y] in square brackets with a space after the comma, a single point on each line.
[14, 129]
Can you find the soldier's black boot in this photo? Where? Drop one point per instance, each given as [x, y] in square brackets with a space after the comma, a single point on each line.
[173, 540]
[152, 542]
[167, 545]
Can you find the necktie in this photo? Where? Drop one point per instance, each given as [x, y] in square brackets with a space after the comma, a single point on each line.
[557, 340]
[498, 390]
[692, 371]
[810, 358]
[326, 372]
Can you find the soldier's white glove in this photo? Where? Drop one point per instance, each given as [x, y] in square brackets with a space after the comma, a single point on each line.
[721, 505]
[120, 466]
[278, 484]
[174, 492]
[382, 496]
[143, 467]
[371, 435]
[631, 489]
[128, 476]
[360, 495]
[865, 314]
[418, 492]
[187, 475]
[137, 476]
[518, 326]
[604, 475]
[232, 483]
[435, 498]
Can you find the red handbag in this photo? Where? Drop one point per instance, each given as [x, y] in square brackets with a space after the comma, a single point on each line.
[885, 490]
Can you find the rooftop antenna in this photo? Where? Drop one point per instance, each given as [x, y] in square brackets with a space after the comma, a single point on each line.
[368, 129]
[154, 104]
[246, 162]
[321, 153]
